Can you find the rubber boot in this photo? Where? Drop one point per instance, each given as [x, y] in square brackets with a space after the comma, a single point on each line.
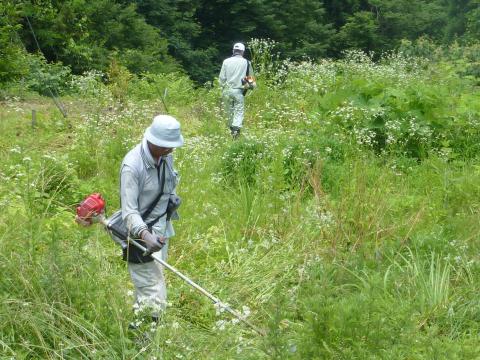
[235, 131]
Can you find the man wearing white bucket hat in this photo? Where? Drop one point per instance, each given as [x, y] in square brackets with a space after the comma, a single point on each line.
[147, 189]
[235, 70]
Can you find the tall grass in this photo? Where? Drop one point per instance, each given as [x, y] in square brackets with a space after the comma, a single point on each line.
[344, 221]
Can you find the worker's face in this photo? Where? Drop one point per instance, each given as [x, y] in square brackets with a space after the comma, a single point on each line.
[158, 151]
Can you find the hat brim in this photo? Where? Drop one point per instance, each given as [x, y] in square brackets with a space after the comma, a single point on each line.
[178, 142]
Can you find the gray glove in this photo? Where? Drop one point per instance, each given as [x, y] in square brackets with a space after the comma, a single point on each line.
[152, 242]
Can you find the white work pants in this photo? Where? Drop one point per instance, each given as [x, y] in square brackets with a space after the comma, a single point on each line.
[150, 288]
[233, 100]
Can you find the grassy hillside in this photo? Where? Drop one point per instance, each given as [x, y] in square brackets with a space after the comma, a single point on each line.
[344, 221]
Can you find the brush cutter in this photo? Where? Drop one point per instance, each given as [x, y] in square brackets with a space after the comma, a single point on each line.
[92, 210]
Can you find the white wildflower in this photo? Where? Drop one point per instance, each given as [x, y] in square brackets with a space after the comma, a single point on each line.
[245, 311]
[220, 325]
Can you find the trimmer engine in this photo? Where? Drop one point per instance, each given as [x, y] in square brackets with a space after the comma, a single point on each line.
[91, 207]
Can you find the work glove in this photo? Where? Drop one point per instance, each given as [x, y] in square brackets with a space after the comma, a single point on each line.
[153, 243]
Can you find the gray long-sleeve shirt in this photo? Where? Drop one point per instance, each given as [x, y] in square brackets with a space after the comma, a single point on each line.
[234, 69]
[140, 181]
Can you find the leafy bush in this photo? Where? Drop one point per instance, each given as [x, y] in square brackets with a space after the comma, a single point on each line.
[154, 60]
[299, 156]
[13, 57]
[176, 87]
[119, 79]
[463, 58]
[47, 78]
[241, 160]
[265, 57]
[90, 84]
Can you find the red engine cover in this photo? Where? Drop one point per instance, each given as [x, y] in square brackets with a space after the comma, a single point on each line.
[93, 205]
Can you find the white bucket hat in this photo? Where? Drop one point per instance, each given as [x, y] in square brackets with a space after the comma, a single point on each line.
[164, 132]
[239, 46]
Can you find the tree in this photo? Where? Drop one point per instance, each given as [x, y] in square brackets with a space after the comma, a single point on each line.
[457, 22]
[85, 34]
[472, 21]
[360, 32]
[158, 36]
[176, 22]
[12, 54]
[299, 27]
[338, 11]
[407, 19]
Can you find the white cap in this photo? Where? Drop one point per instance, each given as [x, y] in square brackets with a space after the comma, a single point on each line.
[239, 46]
[164, 132]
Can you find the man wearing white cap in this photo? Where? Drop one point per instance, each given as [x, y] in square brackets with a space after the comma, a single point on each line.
[147, 186]
[234, 70]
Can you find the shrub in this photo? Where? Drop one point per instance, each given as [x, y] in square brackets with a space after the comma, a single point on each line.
[90, 84]
[177, 88]
[241, 160]
[119, 79]
[47, 78]
[302, 152]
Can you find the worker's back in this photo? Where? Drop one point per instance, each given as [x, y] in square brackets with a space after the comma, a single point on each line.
[234, 69]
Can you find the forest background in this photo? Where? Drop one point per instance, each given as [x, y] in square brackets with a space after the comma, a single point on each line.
[194, 36]
[343, 222]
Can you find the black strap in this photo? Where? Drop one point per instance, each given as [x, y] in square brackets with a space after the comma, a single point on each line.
[162, 186]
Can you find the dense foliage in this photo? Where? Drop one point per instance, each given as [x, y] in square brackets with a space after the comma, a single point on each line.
[344, 221]
[166, 36]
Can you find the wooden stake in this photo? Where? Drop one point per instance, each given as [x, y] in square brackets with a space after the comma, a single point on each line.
[34, 118]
